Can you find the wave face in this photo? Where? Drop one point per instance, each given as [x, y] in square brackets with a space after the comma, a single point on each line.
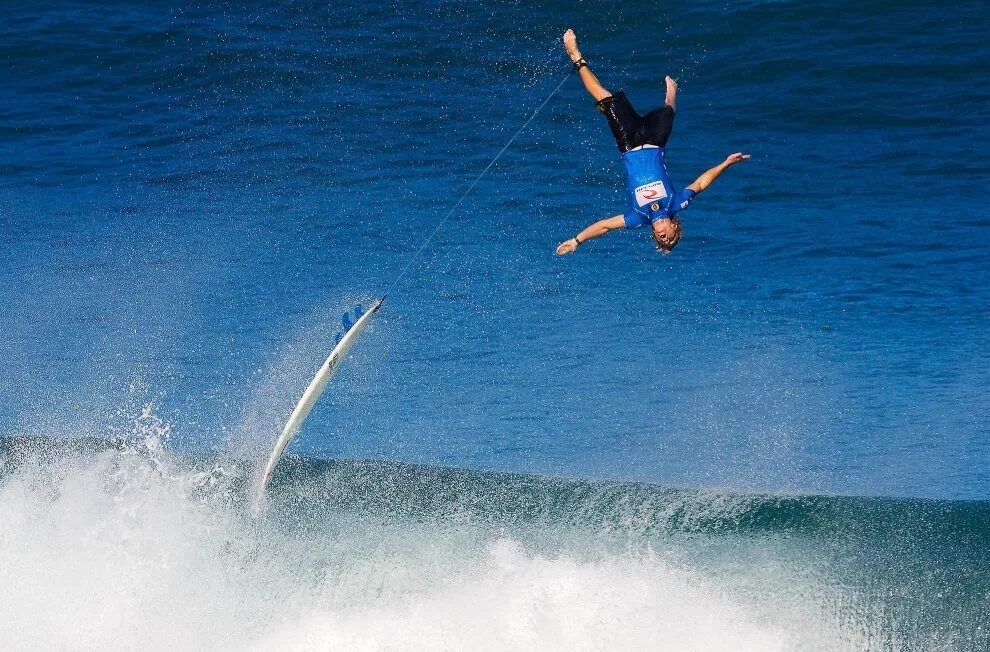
[127, 545]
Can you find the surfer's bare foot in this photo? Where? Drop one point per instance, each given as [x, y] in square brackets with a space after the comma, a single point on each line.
[671, 99]
[570, 44]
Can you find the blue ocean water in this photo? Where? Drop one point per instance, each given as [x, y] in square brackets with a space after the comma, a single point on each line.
[192, 194]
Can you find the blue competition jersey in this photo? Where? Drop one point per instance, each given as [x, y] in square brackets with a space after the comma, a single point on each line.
[651, 195]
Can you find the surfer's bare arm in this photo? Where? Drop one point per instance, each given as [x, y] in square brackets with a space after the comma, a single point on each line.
[601, 227]
[701, 183]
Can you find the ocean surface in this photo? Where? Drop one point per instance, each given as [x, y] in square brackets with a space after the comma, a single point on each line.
[776, 438]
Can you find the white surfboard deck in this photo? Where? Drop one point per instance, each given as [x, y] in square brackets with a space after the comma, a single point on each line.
[309, 398]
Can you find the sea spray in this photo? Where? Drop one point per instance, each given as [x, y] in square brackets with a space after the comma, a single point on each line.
[129, 545]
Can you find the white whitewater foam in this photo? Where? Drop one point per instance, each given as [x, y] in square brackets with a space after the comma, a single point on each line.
[515, 600]
[130, 550]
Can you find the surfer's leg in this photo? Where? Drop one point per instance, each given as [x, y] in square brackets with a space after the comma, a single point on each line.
[628, 128]
[588, 78]
[660, 122]
[671, 99]
[592, 85]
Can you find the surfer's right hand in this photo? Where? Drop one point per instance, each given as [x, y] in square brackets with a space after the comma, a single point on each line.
[567, 247]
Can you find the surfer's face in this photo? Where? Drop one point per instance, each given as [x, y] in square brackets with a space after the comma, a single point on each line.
[666, 233]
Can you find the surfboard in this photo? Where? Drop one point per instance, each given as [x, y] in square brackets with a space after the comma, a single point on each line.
[310, 396]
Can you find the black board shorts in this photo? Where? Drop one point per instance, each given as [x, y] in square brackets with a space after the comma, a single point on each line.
[631, 129]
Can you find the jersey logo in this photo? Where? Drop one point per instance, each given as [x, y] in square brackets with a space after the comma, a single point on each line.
[655, 207]
[649, 192]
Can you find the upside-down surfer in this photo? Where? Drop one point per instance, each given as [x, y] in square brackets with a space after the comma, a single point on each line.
[641, 140]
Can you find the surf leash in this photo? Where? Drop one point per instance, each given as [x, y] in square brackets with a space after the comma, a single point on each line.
[319, 382]
[474, 183]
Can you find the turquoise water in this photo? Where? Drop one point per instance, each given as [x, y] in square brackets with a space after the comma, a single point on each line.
[785, 420]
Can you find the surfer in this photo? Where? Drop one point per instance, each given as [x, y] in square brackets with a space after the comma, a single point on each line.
[641, 141]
